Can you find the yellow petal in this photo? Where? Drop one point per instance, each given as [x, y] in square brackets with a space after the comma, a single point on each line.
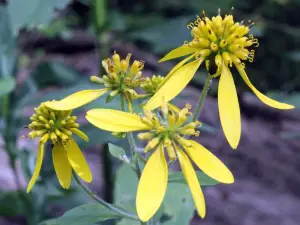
[76, 100]
[61, 165]
[260, 95]
[152, 186]
[78, 161]
[178, 52]
[174, 85]
[80, 134]
[38, 165]
[209, 163]
[115, 121]
[192, 180]
[174, 69]
[229, 108]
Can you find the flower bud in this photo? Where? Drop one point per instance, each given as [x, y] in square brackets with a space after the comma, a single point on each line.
[145, 136]
[152, 144]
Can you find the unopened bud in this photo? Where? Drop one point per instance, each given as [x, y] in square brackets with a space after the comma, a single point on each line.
[227, 58]
[145, 136]
[152, 144]
[116, 59]
[183, 141]
[114, 93]
[171, 152]
[96, 79]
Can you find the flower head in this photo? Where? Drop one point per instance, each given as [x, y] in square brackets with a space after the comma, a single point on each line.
[58, 127]
[165, 132]
[222, 40]
[221, 43]
[121, 79]
[150, 85]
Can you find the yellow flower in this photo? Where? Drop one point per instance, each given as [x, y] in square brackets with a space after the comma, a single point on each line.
[120, 79]
[150, 85]
[165, 132]
[220, 42]
[58, 126]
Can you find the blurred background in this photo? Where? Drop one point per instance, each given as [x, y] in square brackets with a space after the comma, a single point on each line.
[48, 49]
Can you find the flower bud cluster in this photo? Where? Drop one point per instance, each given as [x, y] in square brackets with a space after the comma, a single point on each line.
[121, 77]
[54, 125]
[169, 128]
[221, 39]
[151, 85]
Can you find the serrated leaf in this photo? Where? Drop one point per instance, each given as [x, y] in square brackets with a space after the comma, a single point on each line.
[7, 85]
[83, 215]
[33, 12]
[177, 177]
[116, 151]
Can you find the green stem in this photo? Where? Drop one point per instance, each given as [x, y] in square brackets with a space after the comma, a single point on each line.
[132, 148]
[131, 141]
[202, 97]
[122, 103]
[104, 203]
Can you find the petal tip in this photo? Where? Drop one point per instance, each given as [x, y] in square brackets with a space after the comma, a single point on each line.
[229, 179]
[143, 217]
[203, 214]
[28, 190]
[233, 143]
[89, 179]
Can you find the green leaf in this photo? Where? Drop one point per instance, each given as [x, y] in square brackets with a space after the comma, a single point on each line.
[7, 85]
[99, 13]
[10, 204]
[178, 206]
[164, 36]
[117, 152]
[55, 73]
[125, 187]
[32, 13]
[134, 158]
[177, 177]
[7, 44]
[109, 98]
[83, 215]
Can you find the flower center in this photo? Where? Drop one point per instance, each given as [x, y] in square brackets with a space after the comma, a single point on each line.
[222, 37]
[169, 127]
[51, 124]
[120, 77]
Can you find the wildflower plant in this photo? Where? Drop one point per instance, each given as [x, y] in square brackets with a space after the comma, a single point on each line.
[219, 43]
[166, 131]
[164, 134]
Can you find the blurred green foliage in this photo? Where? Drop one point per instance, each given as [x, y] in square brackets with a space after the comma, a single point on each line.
[153, 26]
